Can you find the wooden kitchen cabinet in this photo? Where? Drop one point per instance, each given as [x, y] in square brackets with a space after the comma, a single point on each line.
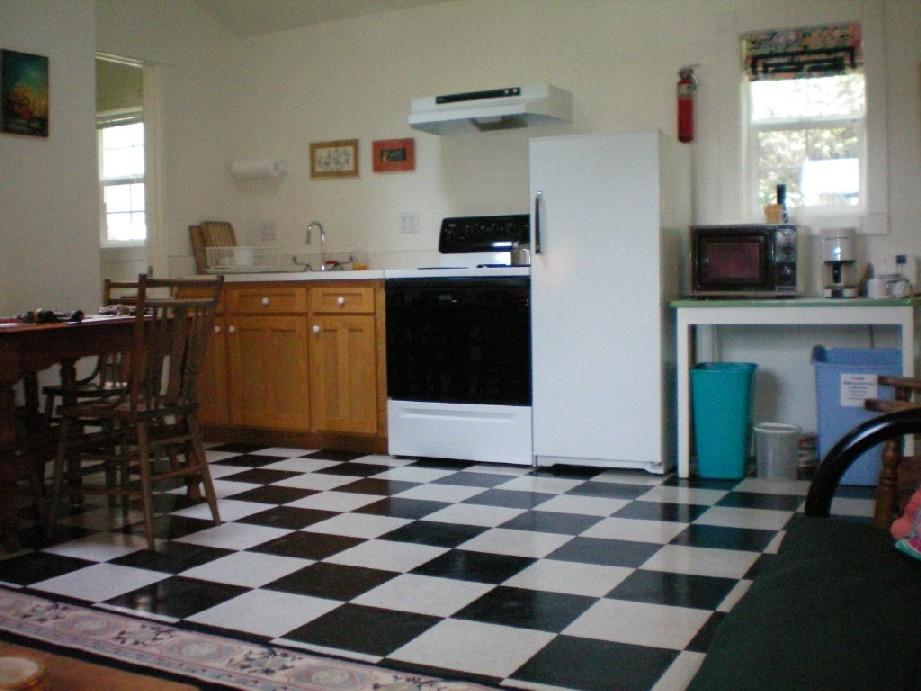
[213, 396]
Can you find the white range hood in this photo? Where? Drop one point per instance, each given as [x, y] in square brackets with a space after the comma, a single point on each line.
[491, 109]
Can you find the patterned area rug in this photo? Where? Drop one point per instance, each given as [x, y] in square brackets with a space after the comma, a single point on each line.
[203, 657]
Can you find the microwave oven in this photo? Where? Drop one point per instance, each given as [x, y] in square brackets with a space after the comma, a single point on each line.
[743, 261]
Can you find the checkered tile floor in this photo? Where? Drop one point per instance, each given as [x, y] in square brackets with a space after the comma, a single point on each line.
[555, 578]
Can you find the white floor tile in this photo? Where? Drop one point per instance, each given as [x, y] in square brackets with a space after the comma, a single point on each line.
[445, 493]
[470, 646]
[500, 469]
[738, 517]
[589, 506]
[234, 536]
[615, 528]
[317, 481]
[222, 488]
[387, 461]
[474, 514]
[775, 542]
[734, 595]
[265, 612]
[679, 674]
[757, 485]
[683, 495]
[335, 501]
[623, 477]
[213, 456]
[516, 543]
[100, 582]
[387, 555]
[100, 546]
[250, 569]
[550, 575]
[639, 623]
[439, 597]
[540, 483]
[357, 525]
[301, 465]
[702, 561]
[217, 471]
[414, 474]
[229, 509]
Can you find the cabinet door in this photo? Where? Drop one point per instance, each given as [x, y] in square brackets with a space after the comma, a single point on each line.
[213, 408]
[268, 372]
[343, 391]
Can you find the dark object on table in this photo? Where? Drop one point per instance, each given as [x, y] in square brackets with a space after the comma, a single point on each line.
[837, 607]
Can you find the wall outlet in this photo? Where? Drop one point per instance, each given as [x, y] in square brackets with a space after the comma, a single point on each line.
[267, 231]
[409, 221]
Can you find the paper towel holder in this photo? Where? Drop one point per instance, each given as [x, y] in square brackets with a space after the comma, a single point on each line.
[254, 169]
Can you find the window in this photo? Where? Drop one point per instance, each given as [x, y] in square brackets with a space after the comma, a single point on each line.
[807, 119]
[121, 179]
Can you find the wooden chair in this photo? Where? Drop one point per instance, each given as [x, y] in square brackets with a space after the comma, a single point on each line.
[209, 234]
[899, 475]
[156, 415]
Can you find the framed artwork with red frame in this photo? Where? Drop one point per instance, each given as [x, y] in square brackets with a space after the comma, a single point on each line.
[394, 154]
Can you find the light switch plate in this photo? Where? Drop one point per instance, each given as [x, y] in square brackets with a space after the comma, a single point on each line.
[409, 221]
[267, 231]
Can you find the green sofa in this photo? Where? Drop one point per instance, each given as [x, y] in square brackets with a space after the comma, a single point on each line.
[837, 608]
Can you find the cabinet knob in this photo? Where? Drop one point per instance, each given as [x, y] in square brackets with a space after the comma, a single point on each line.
[232, 329]
[316, 328]
[217, 329]
[340, 300]
[264, 301]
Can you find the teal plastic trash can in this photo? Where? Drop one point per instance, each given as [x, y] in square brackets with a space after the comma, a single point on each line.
[721, 401]
[844, 377]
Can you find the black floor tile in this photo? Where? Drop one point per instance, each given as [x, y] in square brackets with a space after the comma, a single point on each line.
[237, 447]
[591, 550]
[715, 536]
[247, 460]
[402, 508]
[273, 494]
[584, 663]
[333, 455]
[470, 479]
[474, 566]
[177, 596]
[509, 499]
[307, 545]
[260, 476]
[171, 557]
[331, 581]
[442, 463]
[171, 526]
[373, 485]
[656, 511]
[357, 469]
[289, 517]
[366, 630]
[772, 502]
[34, 567]
[552, 522]
[527, 609]
[674, 589]
[434, 534]
[568, 472]
[701, 641]
[33, 537]
[166, 503]
[608, 490]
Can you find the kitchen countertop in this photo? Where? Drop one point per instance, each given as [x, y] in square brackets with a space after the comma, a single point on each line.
[372, 274]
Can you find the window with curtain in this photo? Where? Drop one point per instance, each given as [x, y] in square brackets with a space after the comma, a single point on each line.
[121, 177]
[807, 117]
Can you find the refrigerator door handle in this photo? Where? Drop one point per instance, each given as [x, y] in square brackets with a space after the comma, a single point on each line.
[537, 200]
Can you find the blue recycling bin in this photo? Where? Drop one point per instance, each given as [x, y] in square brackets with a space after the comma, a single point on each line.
[844, 377]
[721, 403]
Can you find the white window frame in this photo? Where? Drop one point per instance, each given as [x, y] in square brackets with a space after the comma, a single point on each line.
[104, 121]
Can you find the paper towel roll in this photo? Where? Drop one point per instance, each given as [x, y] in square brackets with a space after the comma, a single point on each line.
[258, 168]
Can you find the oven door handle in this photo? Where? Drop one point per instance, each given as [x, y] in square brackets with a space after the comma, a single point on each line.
[537, 201]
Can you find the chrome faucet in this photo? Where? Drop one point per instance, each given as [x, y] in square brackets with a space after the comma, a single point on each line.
[318, 226]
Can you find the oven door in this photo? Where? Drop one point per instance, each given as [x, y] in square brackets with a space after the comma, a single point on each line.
[459, 340]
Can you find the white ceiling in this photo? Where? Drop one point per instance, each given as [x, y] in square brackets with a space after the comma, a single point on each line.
[252, 17]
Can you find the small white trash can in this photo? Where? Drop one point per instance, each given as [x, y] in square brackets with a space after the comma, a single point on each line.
[776, 450]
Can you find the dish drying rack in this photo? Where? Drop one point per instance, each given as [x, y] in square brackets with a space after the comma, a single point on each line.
[243, 259]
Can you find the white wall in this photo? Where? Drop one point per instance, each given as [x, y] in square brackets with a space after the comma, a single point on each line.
[48, 202]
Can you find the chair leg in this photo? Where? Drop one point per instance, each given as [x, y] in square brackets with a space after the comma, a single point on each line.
[197, 457]
[886, 487]
[143, 452]
[57, 478]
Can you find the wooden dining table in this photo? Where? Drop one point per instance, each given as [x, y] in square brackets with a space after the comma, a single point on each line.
[26, 349]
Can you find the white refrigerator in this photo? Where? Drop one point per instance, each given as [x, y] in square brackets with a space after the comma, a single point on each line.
[608, 216]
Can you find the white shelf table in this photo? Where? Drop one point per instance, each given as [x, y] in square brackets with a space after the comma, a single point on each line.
[691, 313]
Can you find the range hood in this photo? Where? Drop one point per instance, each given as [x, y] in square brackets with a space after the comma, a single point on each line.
[492, 109]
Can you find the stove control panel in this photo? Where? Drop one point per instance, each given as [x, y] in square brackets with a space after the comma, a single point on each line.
[461, 234]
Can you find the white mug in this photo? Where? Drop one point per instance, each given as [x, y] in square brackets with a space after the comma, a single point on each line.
[877, 287]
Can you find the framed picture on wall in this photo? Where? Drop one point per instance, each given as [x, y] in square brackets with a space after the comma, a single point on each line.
[394, 154]
[23, 93]
[336, 159]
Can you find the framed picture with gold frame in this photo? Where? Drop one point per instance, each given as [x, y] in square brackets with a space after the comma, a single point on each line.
[337, 159]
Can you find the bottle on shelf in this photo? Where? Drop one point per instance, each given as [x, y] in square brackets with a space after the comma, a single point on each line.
[782, 202]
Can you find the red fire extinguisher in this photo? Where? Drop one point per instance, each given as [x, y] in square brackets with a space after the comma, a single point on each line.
[687, 85]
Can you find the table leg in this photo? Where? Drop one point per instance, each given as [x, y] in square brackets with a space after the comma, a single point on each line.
[10, 467]
[68, 400]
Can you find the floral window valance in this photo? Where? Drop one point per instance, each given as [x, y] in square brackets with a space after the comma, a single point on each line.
[816, 51]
